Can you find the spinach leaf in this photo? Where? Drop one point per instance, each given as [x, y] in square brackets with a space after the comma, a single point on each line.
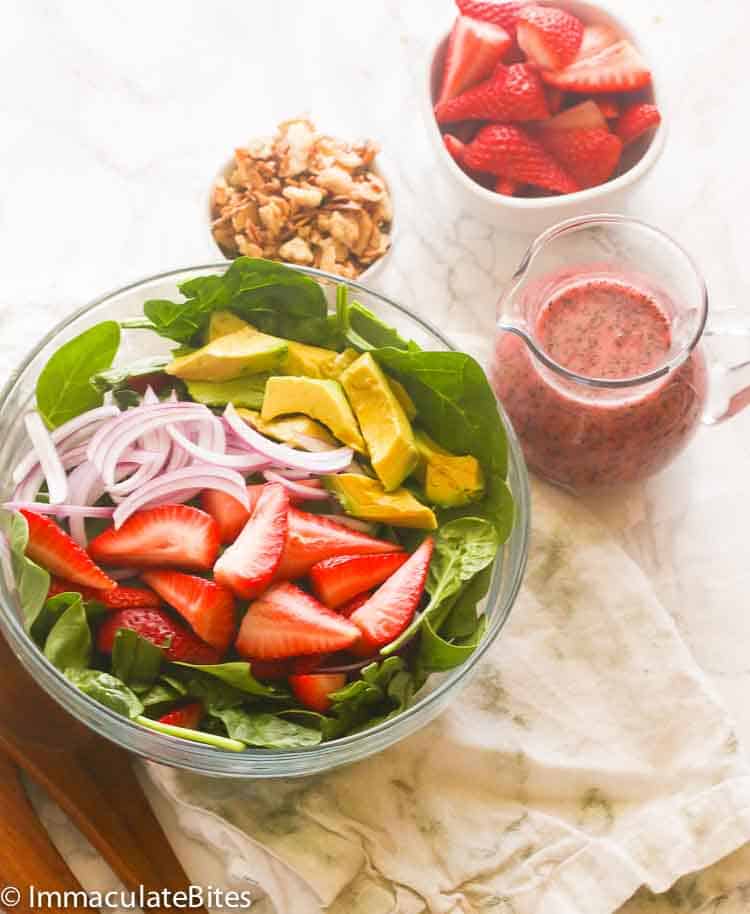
[64, 388]
[462, 619]
[269, 731]
[107, 690]
[31, 581]
[436, 654]
[367, 699]
[116, 379]
[179, 321]
[194, 736]
[68, 645]
[238, 675]
[215, 694]
[362, 329]
[49, 614]
[463, 548]
[134, 659]
[159, 695]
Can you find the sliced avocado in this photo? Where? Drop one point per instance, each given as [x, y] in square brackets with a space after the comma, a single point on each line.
[449, 481]
[381, 417]
[237, 354]
[320, 399]
[366, 498]
[222, 323]
[246, 392]
[310, 361]
[288, 429]
[402, 395]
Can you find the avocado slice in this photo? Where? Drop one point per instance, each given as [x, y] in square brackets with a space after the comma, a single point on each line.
[366, 498]
[232, 356]
[381, 417]
[321, 399]
[223, 323]
[402, 395]
[289, 428]
[449, 481]
[247, 392]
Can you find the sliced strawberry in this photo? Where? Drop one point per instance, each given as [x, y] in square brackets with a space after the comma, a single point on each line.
[506, 186]
[618, 68]
[287, 622]
[348, 609]
[313, 538]
[117, 598]
[550, 37]
[637, 120]
[474, 50]
[513, 93]
[312, 689]
[206, 606]
[609, 106]
[335, 581]
[177, 641]
[175, 536]
[596, 38]
[503, 13]
[391, 608]
[249, 564]
[271, 670]
[590, 155]
[512, 153]
[585, 115]
[51, 547]
[188, 716]
[454, 146]
[229, 514]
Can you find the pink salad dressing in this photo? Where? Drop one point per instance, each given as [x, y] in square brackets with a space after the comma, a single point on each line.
[584, 437]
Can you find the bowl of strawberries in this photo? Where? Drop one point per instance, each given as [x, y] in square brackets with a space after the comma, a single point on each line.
[540, 112]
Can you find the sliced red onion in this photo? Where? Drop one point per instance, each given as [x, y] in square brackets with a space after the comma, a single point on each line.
[299, 475]
[361, 526]
[312, 444]
[157, 439]
[122, 574]
[29, 487]
[244, 463]
[40, 507]
[146, 470]
[328, 462]
[189, 478]
[307, 493]
[49, 459]
[347, 667]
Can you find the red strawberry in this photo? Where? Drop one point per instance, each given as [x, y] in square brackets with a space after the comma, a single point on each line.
[391, 608]
[474, 50]
[609, 106]
[596, 38]
[335, 581]
[510, 152]
[348, 609]
[506, 186]
[188, 716]
[618, 68]
[513, 93]
[177, 641]
[170, 535]
[504, 13]
[51, 547]
[271, 670]
[585, 115]
[313, 538]
[454, 146]
[550, 37]
[590, 155]
[312, 690]
[248, 565]
[229, 514]
[117, 598]
[555, 98]
[287, 622]
[636, 120]
[206, 606]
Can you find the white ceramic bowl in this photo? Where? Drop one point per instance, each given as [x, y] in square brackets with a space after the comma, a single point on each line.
[381, 169]
[536, 214]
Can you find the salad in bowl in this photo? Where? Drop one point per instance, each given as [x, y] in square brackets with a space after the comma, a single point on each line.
[270, 530]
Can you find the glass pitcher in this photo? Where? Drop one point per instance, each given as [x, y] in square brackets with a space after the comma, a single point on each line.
[598, 358]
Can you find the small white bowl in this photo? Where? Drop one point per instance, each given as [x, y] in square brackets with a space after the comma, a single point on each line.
[536, 214]
[379, 167]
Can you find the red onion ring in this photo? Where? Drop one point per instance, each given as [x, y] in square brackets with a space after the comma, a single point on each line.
[306, 493]
[49, 459]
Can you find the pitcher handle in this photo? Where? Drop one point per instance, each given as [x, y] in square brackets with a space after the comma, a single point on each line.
[730, 381]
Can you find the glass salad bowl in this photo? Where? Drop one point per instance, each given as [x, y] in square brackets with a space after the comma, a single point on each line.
[17, 399]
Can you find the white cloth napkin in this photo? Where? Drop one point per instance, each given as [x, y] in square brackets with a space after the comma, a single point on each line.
[588, 757]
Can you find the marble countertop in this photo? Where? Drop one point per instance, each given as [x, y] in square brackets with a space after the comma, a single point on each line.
[115, 119]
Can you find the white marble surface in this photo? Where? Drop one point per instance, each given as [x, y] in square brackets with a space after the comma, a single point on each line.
[115, 117]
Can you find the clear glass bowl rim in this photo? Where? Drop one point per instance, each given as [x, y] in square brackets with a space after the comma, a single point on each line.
[261, 763]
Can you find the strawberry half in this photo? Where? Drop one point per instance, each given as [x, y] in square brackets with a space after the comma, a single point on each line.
[51, 547]
[206, 606]
[177, 641]
[348, 609]
[229, 514]
[168, 536]
[287, 622]
[474, 50]
[248, 565]
[510, 152]
[596, 38]
[590, 155]
[187, 716]
[506, 186]
[117, 598]
[391, 608]
[313, 689]
[618, 68]
[504, 13]
[585, 115]
[637, 120]
[335, 581]
[313, 538]
[513, 93]
[550, 37]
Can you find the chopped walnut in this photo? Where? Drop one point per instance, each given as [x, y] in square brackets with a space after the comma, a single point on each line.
[297, 250]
